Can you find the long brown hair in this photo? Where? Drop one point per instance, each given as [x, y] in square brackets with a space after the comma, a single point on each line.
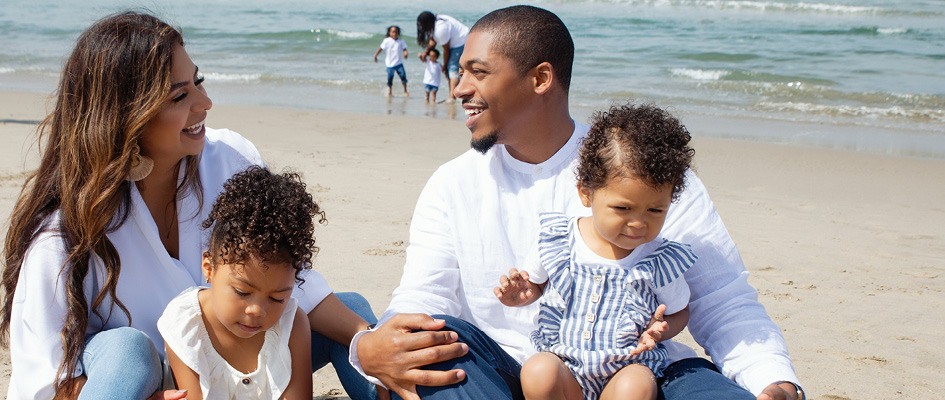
[117, 79]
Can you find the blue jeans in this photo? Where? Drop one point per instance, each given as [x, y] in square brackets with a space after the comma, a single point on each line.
[325, 350]
[492, 374]
[120, 363]
[399, 69]
[452, 65]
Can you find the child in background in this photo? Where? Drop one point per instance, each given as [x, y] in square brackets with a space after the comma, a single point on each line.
[395, 50]
[245, 336]
[431, 76]
[601, 278]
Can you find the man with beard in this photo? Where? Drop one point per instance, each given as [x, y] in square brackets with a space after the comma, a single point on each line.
[446, 336]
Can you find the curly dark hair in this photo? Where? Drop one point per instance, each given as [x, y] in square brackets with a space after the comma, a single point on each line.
[265, 216]
[641, 141]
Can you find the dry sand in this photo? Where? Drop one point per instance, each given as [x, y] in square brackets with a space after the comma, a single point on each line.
[846, 249]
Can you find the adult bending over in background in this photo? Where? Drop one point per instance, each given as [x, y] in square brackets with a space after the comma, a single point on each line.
[449, 33]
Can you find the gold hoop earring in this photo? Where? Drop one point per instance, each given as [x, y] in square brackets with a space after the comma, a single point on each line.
[141, 166]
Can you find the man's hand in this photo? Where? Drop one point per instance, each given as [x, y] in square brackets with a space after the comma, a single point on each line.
[653, 333]
[779, 391]
[515, 290]
[397, 349]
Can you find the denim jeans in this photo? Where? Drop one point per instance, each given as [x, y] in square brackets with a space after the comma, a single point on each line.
[120, 363]
[492, 374]
[399, 69]
[325, 350]
[699, 379]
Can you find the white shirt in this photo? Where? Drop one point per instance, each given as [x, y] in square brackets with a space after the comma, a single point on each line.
[393, 51]
[182, 325]
[149, 277]
[431, 75]
[448, 31]
[478, 216]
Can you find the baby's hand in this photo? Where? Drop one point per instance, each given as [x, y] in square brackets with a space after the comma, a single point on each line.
[514, 289]
[653, 333]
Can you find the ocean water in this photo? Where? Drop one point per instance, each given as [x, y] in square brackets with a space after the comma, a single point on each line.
[866, 75]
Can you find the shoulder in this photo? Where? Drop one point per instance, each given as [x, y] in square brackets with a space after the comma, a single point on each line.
[47, 253]
[226, 153]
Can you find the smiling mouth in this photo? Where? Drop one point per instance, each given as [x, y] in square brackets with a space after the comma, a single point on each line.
[473, 111]
[194, 129]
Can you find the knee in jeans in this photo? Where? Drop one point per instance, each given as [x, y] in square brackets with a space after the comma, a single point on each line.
[133, 347]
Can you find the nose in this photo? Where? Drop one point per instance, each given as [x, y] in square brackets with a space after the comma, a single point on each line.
[463, 89]
[203, 102]
[255, 309]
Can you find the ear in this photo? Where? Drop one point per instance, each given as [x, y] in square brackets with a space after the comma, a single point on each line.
[207, 266]
[585, 194]
[544, 76]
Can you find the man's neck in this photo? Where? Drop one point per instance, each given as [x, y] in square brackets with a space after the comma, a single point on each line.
[545, 138]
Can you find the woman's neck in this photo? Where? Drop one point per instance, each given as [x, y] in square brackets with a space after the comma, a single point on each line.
[159, 192]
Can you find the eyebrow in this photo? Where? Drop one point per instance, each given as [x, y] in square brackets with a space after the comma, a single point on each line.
[184, 83]
[250, 284]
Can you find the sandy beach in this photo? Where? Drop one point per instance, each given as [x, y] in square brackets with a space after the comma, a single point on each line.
[844, 248]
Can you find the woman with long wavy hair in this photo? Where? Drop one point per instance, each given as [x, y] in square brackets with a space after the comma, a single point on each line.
[107, 230]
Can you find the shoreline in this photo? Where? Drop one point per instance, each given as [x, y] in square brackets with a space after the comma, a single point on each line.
[838, 243]
[894, 137]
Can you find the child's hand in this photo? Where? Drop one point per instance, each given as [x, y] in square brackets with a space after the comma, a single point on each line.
[515, 290]
[653, 333]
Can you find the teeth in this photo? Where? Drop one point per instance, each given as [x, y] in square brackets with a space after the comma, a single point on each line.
[194, 127]
[472, 111]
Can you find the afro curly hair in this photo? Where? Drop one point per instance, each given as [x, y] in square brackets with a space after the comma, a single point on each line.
[639, 141]
[266, 216]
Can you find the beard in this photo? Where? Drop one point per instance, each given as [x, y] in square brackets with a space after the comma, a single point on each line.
[485, 143]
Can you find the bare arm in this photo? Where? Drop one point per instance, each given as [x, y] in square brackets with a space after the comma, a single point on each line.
[184, 377]
[300, 346]
[661, 328]
[423, 52]
[335, 320]
[446, 59]
[376, 53]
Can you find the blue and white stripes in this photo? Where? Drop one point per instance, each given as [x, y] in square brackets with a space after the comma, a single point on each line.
[591, 315]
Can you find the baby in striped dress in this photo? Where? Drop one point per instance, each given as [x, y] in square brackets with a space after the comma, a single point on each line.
[611, 289]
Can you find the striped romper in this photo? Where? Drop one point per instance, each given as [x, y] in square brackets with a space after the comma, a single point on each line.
[591, 313]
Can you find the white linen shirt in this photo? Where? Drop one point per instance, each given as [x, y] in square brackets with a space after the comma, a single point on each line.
[149, 276]
[448, 31]
[478, 216]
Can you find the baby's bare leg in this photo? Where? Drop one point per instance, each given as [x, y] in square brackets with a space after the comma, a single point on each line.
[633, 382]
[544, 376]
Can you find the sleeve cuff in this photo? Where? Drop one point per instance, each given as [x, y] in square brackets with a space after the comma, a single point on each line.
[757, 379]
[356, 362]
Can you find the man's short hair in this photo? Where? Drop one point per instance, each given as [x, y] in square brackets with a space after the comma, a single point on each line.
[528, 36]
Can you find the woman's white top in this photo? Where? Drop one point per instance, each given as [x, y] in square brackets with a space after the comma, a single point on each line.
[449, 31]
[184, 332]
[149, 277]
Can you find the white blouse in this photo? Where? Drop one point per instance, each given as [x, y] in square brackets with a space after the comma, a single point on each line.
[184, 332]
[149, 277]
